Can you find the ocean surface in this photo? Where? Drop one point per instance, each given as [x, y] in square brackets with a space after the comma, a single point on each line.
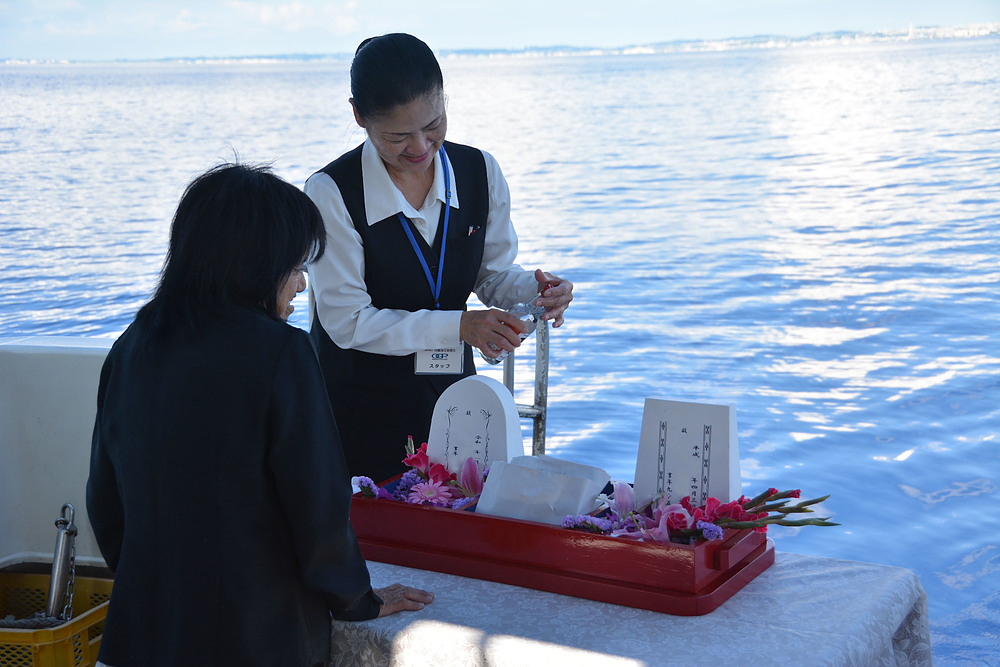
[809, 231]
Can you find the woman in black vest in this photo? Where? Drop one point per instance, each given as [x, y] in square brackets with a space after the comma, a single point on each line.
[415, 224]
[218, 493]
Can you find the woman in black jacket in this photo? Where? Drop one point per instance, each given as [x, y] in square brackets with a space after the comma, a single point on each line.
[218, 491]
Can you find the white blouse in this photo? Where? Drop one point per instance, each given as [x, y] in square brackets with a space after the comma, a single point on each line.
[338, 278]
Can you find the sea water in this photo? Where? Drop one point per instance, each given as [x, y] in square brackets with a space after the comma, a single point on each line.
[810, 232]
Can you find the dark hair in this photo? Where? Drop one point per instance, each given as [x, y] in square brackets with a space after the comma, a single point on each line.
[391, 70]
[238, 232]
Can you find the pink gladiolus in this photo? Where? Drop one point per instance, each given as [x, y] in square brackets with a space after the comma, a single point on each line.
[711, 510]
[733, 510]
[438, 473]
[418, 459]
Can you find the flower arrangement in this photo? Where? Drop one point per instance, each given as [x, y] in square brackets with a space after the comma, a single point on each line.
[427, 483]
[681, 522]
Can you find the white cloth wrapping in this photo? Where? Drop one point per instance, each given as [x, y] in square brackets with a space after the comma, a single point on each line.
[803, 610]
[541, 488]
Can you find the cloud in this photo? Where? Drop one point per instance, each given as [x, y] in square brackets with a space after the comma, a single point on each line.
[185, 22]
[70, 29]
[294, 17]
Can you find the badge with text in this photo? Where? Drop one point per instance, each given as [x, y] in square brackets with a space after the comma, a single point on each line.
[441, 361]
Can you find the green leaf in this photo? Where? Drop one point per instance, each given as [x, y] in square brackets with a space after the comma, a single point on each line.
[806, 522]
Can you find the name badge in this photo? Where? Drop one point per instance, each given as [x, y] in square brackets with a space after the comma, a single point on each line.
[441, 361]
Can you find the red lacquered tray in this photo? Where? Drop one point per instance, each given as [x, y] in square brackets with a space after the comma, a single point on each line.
[687, 580]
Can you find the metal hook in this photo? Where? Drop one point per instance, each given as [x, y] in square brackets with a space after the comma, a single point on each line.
[63, 522]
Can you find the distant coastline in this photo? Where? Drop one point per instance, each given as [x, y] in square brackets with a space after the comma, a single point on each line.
[841, 37]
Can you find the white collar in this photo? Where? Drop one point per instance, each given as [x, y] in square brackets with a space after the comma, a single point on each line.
[383, 199]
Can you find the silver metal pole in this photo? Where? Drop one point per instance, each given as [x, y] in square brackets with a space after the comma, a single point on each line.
[62, 563]
[541, 387]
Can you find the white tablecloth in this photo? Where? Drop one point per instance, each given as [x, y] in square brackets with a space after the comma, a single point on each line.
[803, 610]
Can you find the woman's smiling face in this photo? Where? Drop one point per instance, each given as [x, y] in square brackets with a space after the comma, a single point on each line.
[407, 137]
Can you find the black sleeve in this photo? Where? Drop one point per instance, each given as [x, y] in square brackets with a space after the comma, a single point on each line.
[104, 505]
[313, 484]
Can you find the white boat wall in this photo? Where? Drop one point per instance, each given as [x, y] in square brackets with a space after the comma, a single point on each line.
[48, 400]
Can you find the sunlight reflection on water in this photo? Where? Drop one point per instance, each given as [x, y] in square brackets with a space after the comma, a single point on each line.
[810, 234]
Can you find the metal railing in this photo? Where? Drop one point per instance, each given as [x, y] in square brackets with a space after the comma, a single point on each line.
[536, 412]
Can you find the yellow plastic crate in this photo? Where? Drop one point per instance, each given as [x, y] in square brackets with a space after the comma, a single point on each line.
[72, 644]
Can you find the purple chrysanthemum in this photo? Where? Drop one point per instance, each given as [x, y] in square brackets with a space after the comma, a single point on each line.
[589, 523]
[462, 502]
[709, 531]
[366, 485]
[406, 482]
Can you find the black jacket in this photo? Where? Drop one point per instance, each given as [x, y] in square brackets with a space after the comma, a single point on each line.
[219, 496]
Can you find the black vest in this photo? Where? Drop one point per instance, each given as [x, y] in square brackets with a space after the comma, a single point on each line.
[393, 274]
[395, 279]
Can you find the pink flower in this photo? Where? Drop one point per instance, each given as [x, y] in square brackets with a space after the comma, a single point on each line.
[418, 459]
[624, 502]
[733, 510]
[471, 480]
[711, 509]
[431, 493]
[438, 473]
[677, 521]
[660, 532]
[677, 516]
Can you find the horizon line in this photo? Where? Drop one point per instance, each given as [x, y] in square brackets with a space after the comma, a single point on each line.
[691, 45]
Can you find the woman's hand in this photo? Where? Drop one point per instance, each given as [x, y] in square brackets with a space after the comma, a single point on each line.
[491, 330]
[556, 295]
[399, 598]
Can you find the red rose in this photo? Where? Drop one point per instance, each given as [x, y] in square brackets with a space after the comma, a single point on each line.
[677, 521]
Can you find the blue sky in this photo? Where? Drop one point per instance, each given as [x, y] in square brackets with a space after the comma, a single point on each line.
[136, 29]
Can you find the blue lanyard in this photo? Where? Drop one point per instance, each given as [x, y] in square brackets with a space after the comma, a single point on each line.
[435, 286]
